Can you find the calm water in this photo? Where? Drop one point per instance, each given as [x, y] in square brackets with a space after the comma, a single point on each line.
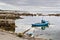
[52, 32]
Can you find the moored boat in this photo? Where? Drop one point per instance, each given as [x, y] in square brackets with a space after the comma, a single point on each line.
[43, 24]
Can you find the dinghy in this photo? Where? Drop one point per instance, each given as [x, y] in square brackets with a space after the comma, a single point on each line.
[43, 24]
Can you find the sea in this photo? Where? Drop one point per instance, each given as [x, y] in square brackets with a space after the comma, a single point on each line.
[52, 32]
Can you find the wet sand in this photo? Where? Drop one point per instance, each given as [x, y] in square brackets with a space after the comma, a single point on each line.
[4, 35]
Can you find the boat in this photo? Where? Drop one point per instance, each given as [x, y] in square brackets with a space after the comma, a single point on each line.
[43, 24]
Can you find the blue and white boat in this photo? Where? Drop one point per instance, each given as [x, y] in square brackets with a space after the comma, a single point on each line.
[43, 24]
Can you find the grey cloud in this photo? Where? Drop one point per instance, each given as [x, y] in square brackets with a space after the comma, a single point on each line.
[45, 2]
[49, 3]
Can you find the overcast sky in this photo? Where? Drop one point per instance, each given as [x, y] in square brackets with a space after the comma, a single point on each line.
[49, 3]
[31, 4]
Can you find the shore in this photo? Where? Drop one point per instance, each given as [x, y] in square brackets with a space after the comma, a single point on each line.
[5, 35]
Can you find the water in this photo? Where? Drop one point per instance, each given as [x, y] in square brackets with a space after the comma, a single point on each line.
[52, 32]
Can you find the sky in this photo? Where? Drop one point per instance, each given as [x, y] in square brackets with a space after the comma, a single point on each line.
[31, 5]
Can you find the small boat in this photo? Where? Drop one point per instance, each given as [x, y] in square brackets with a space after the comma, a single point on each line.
[43, 24]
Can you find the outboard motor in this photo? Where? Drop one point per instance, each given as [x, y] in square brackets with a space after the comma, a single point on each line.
[42, 21]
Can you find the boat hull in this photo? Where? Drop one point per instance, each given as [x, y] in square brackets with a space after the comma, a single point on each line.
[40, 24]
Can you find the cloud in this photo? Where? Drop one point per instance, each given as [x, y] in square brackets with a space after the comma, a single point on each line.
[6, 6]
[2, 3]
[49, 3]
[31, 5]
[39, 8]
